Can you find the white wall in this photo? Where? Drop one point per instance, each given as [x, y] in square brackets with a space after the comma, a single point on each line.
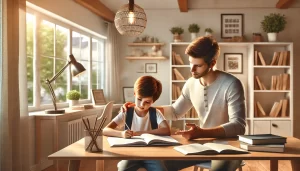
[160, 21]
[74, 12]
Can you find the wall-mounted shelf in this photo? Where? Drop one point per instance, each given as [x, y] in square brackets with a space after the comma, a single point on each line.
[146, 58]
[146, 44]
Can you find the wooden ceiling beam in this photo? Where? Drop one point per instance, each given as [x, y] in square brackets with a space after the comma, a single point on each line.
[98, 8]
[284, 4]
[183, 5]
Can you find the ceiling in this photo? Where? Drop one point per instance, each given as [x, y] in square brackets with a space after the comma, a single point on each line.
[114, 5]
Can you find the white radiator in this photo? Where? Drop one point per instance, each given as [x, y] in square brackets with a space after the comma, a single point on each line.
[76, 127]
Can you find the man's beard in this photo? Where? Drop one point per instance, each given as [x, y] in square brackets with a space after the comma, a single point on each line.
[198, 75]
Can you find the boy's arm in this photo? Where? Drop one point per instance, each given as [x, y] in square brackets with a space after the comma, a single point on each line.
[110, 130]
[163, 129]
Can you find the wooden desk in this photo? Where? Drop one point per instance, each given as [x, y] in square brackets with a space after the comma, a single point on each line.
[75, 152]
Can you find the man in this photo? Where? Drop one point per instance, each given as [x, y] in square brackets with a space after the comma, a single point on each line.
[218, 98]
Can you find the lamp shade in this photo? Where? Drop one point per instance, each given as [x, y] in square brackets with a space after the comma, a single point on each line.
[131, 19]
[78, 68]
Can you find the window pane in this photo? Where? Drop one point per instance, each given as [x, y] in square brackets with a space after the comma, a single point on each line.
[60, 83]
[85, 50]
[46, 35]
[61, 42]
[76, 44]
[30, 80]
[46, 72]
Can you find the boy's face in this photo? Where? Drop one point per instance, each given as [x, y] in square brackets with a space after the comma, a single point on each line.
[143, 103]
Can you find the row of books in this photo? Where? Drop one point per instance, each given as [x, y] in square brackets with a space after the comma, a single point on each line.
[176, 59]
[176, 91]
[176, 75]
[279, 58]
[262, 142]
[279, 109]
[278, 82]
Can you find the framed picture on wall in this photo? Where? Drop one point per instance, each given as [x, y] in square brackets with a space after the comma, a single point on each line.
[231, 25]
[151, 68]
[128, 94]
[233, 63]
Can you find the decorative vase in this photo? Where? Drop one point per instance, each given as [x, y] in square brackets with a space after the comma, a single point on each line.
[73, 103]
[177, 37]
[208, 34]
[193, 36]
[272, 37]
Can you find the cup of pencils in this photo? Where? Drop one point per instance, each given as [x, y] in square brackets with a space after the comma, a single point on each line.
[93, 140]
[93, 135]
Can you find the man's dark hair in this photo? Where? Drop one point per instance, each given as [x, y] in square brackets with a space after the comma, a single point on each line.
[148, 86]
[204, 47]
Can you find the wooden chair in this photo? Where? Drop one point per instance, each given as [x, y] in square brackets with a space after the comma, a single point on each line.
[207, 165]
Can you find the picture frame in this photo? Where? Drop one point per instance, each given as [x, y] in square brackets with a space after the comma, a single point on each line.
[128, 94]
[232, 25]
[233, 63]
[98, 97]
[150, 67]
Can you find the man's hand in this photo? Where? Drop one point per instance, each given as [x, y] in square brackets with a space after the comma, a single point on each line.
[192, 133]
[127, 134]
[126, 106]
[138, 133]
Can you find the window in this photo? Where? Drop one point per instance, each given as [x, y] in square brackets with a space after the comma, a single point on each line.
[49, 42]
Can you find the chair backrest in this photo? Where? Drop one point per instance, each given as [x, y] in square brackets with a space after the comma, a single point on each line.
[107, 112]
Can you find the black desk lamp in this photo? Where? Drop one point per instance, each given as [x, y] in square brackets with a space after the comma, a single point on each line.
[78, 68]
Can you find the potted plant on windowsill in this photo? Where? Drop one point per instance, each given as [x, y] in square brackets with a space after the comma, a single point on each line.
[208, 32]
[73, 97]
[194, 29]
[177, 31]
[273, 24]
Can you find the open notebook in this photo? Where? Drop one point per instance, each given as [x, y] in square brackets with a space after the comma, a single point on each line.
[209, 148]
[143, 140]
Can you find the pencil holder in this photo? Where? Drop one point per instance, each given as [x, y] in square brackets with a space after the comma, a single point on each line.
[93, 140]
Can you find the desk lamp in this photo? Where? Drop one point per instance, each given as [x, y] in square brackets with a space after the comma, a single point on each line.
[78, 68]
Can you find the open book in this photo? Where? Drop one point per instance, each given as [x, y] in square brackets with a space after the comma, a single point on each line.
[209, 148]
[143, 140]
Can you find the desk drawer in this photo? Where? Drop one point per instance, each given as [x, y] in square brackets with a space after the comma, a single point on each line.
[261, 127]
[282, 128]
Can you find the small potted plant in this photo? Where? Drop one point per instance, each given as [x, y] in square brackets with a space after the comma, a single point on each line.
[208, 32]
[273, 24]
[73, 97]
[194, 29]
[177, 31]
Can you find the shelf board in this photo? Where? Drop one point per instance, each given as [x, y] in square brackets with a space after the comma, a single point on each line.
[272, 118]
[270, 66]
[181, 66]
[146, 44]
[271, 91]
[145, 57]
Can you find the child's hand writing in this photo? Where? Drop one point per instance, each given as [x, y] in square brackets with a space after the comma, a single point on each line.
[127, 134]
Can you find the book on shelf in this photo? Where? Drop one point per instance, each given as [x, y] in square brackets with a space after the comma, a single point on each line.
[178, 75]
[262, 60]
[260, 110]
[262, 139]
[284, 110]
[143, 140]
[209, 149]
[275, 58]
[261, 86]
[279, 148]
[255, 58]
[176, 59]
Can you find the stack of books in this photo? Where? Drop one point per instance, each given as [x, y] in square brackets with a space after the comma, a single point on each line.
[262, 142]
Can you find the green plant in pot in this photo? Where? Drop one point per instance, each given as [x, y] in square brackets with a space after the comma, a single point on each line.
[273, 24]
[194, 29]
[73, 97]
[208, 31]
[177, 31]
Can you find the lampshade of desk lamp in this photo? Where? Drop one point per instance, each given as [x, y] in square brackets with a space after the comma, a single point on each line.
[78, 68]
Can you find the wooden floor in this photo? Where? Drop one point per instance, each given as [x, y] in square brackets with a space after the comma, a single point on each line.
[251, 165]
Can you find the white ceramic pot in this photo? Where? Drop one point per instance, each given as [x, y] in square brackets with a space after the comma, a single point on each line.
[207, 34]
[193, 36]
[73, 103]
[272, 37]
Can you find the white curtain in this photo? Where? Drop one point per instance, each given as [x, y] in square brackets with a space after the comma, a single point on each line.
[112, 79]
[14, 147]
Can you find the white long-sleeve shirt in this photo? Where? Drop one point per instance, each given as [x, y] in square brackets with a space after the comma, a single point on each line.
[222, 103]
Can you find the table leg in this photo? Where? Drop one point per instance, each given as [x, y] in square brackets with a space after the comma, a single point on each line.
[295, 165]
[273, 165]
[74, 165]
[99, 165]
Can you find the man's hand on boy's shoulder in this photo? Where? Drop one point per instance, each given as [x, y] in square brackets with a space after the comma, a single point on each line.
[126, 106]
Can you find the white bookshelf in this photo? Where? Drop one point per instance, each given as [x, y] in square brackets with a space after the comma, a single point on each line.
[276, 125]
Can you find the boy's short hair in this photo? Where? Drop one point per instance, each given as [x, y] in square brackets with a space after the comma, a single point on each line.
[204, 47]
[148, 86]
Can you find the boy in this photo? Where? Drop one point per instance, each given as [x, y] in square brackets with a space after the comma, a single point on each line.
[141, 119]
